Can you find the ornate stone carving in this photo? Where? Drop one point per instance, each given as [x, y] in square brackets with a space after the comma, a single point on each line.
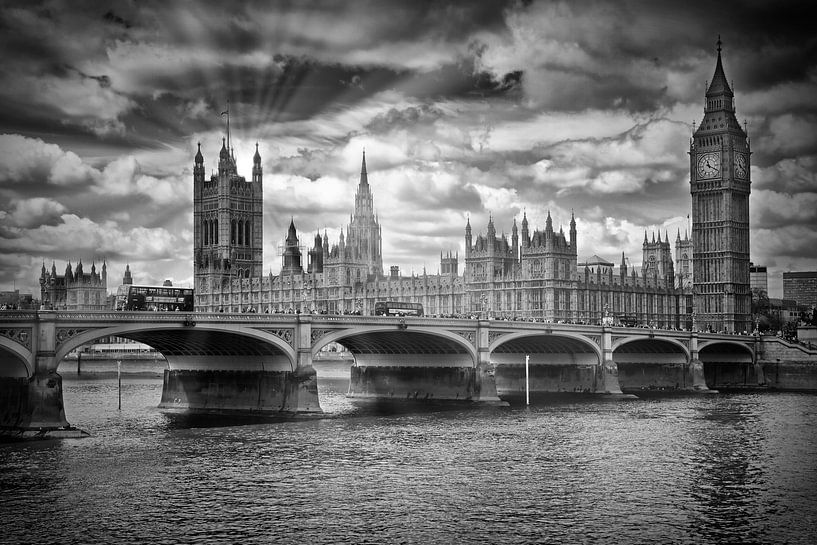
[494, 335]
[467, 335]
[285, 334]
[318, 333]
[596, 339]
[65, 333]
[22, 336]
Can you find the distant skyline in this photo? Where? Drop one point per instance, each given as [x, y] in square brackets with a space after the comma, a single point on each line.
[465, 109]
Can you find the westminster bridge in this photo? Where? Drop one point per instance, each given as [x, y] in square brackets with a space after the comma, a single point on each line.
[261, 363]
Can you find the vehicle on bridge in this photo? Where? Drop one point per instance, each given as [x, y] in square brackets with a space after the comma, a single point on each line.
[154, 298]
[627, 320]
[392, 308]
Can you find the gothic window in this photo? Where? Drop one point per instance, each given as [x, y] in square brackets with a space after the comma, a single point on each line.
[205, 232]
[232, 231]
[240, 232]
[247, 239]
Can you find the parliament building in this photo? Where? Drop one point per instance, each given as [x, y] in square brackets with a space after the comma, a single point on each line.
[536, 274]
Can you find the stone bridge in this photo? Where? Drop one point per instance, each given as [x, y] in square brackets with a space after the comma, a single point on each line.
[263, 363]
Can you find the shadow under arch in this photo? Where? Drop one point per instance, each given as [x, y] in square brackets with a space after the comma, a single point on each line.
[207, 346]
[728, 365]
[559, 363]
[651, 365]
[412, 346]
[14, 360]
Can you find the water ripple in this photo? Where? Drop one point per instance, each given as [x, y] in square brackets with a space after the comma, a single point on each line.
[735, 468]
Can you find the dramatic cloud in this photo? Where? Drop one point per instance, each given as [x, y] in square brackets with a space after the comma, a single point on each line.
[466, 110]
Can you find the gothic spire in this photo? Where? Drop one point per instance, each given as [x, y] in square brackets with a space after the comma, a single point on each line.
[364, 178]
[719, 85]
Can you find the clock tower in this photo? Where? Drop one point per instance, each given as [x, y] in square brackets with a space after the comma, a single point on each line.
[719, 182]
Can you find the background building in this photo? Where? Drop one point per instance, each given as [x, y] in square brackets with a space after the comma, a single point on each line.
[801, 287]
[758, 278]
[74, 290]
[11, 300]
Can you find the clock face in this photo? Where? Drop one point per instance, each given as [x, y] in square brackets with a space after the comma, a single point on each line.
[709, 165]
[740, 165]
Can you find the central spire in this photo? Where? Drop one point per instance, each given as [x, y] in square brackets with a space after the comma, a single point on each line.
[364, 178]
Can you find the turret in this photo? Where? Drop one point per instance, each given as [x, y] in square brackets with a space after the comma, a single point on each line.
[256, 166]
[525, 233]
[127, 279]
[468, 239]
[573, 236]
[515, 240]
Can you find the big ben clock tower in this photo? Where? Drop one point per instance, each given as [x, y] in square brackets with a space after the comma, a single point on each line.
[719, 183]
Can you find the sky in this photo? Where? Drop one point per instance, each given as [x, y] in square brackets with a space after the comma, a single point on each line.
[464, 109]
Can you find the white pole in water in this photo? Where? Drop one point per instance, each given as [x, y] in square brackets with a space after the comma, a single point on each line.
[119, 378]
[527, 379]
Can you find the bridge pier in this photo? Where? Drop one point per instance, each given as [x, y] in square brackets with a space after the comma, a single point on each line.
[607, 382]
[32, 406]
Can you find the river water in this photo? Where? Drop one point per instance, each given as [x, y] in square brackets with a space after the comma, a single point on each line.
[728, 468]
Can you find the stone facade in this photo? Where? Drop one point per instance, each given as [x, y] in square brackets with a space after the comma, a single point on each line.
[720, 185]
[75, 289]
[227, 224]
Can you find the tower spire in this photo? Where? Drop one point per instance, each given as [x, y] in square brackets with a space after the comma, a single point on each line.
[719, 85]
[364, 177]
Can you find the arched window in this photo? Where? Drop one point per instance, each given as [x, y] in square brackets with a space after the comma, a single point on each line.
[232, 231]
[215, 231]
[205, 232]
[240, 232]
[247, 238]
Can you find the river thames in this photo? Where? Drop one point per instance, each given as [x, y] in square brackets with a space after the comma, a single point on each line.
[727, 468]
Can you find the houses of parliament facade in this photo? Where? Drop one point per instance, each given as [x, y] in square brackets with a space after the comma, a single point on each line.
[534, 275]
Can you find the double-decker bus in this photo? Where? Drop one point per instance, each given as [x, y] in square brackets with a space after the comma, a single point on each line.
[154, 298]
[392, 308]
[628, 320]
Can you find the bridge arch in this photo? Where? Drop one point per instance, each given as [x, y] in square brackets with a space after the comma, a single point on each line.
[651, 364]
[728, 364]
[559, 363]
[182, 345]
[416, 345]
[537, 342]
[719, 346]
[638, 344]
[15, 360]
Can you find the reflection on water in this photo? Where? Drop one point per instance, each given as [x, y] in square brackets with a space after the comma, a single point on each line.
[710, 469]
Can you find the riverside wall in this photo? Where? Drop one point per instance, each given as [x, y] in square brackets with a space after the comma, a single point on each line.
[787, 366]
